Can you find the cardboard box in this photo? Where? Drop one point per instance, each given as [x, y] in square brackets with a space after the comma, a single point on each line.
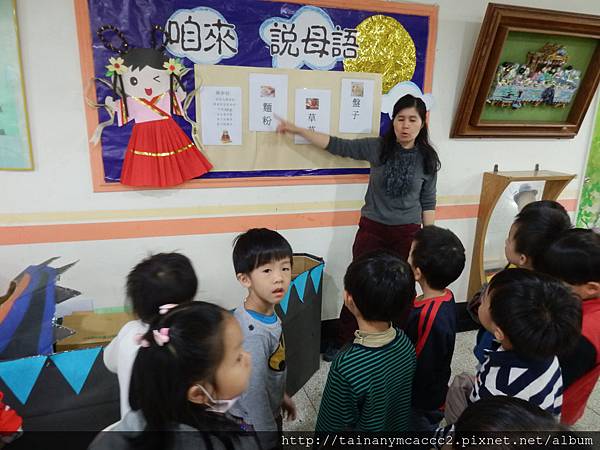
[301, 321]
[92, 329]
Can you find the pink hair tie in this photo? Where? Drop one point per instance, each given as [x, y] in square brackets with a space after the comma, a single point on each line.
[161, 337]
[139, 340]
[163, 309]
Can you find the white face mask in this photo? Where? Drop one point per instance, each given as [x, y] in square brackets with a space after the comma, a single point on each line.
[219, 406]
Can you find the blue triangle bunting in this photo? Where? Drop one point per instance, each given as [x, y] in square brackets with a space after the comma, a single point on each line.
[20, 375]
[315, 275]
[286, 299]
[300, 283]
[76, 365]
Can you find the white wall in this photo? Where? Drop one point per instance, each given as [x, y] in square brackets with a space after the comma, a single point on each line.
[464, 160]
[61, 182]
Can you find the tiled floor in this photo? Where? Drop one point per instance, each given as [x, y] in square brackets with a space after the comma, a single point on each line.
[308, 398]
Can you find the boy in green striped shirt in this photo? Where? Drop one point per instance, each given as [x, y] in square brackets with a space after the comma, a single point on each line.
[370, 383]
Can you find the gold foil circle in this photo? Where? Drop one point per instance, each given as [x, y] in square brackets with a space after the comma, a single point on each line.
[385, 47]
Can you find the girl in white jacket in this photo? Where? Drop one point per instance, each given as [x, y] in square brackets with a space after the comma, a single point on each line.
[155, 285]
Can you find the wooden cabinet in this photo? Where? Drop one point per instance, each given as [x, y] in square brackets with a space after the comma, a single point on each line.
[492, 187]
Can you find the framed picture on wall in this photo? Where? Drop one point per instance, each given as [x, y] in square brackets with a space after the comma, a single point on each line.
[533, 74]
[15, 145]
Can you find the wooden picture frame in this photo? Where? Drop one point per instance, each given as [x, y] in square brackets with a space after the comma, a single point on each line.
[502, 26]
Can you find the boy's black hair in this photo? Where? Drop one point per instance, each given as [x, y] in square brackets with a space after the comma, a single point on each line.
[540, 204]
[574, 257]
[538, 314]
[382, 286]
[160, 279]
[439, 254]
[259, 246]
[495, 417]
[162, 375]
[537, 226]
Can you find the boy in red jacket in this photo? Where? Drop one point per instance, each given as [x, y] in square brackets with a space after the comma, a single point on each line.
[575, 259]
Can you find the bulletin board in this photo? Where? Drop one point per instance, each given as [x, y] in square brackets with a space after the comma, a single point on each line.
[271, 153]
[372, 41]
[15, 144]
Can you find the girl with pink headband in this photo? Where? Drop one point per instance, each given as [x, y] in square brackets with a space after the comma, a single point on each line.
[155, 285]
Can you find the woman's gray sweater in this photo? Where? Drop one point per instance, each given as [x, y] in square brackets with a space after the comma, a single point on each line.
[379, 206]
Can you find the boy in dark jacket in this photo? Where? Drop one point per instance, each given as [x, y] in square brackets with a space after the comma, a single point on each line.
[437, 258]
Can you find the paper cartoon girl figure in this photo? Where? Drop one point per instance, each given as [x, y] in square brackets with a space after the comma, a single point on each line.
[159, 153]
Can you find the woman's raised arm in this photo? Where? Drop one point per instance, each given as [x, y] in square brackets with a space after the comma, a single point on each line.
[320, 140]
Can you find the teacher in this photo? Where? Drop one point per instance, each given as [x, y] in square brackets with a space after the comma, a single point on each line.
[401, 194]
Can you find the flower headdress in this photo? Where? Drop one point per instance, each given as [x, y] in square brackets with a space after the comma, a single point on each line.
[174, 66]
[115, 67]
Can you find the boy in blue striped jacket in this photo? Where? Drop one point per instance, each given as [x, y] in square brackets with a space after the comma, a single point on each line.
[533, 318]
[370, 382]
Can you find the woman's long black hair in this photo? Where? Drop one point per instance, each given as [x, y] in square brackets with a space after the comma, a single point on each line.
[430, 157]
[162, 376]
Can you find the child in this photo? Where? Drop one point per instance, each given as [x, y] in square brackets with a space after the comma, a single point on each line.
[190, 369]
[262, 260]
[503, 417]
[533, 318]
[552, 204]
[437, 258]
[155, 284]
[370, 382]
[575, 259]
[535, 227]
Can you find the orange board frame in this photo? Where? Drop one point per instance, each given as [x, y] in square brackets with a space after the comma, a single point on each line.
[84, 37]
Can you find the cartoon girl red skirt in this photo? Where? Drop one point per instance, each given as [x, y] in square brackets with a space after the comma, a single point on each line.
[160, 154]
